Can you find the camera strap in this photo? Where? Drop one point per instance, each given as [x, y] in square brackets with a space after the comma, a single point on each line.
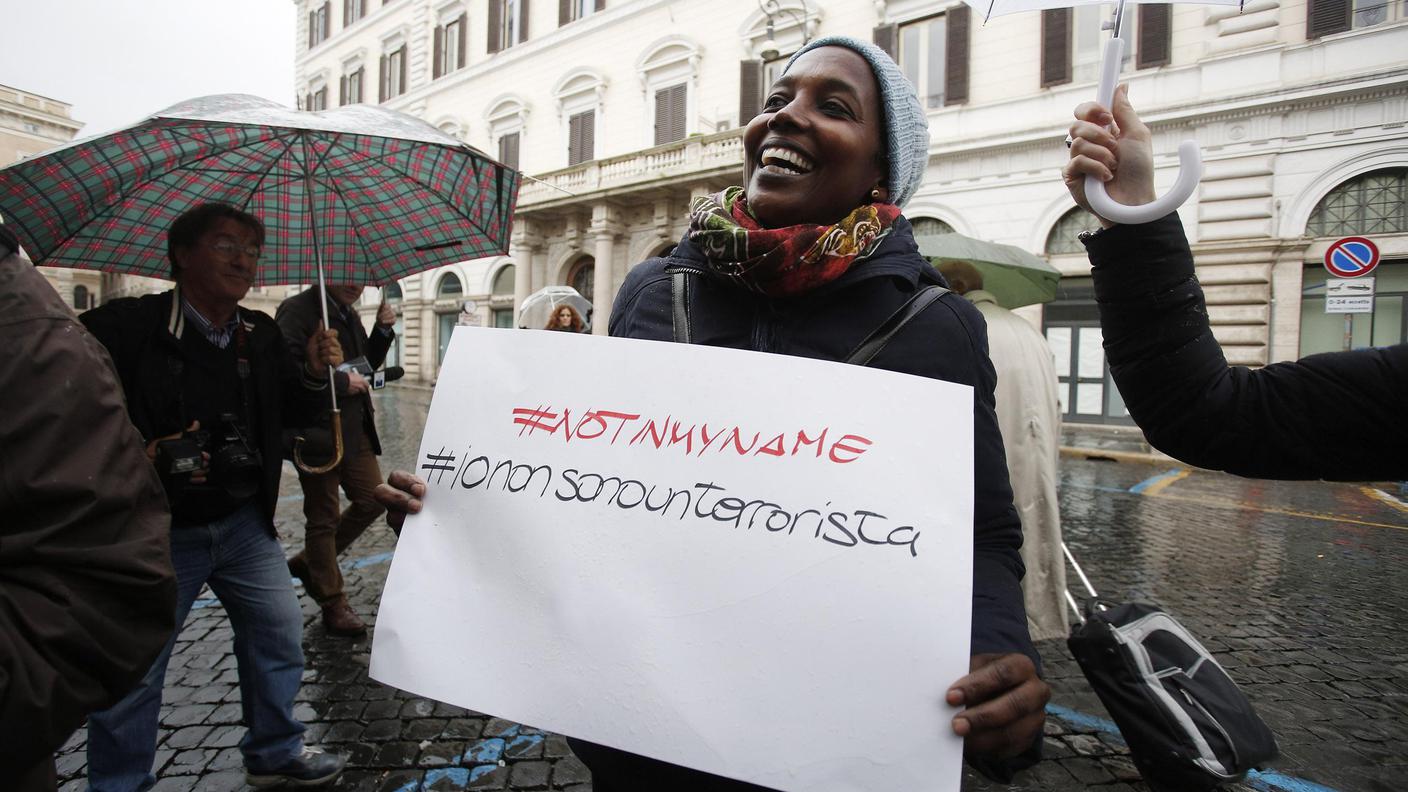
[242, 368]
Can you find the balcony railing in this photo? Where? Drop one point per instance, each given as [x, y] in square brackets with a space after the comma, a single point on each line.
[694, 155]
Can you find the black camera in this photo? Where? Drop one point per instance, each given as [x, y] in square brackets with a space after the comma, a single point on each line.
[235, 464]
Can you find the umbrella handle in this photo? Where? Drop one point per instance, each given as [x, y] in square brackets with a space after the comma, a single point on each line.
[1190, 160]
[337, 448]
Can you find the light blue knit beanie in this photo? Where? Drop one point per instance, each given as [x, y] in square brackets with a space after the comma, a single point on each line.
[906, 123]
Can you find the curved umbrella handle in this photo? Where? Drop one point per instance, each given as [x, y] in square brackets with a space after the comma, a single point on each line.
[1190, 161]
[336, 444]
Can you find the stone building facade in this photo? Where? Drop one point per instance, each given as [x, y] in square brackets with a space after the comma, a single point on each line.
[622, 110]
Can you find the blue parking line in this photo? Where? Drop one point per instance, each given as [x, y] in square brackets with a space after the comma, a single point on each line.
[1267, 780]
[1152, 480]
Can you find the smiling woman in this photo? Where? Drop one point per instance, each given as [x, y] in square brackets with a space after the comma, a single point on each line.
[812, 257]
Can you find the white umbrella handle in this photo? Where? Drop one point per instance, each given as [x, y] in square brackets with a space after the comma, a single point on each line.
[1190, 160]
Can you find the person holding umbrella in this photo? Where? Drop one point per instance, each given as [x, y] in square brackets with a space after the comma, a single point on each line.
[812, 257]
[330, 529]
[209, 386]
[1336, 416]
[1029, 415]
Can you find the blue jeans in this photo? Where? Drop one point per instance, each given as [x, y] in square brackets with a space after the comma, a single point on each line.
[243, 562]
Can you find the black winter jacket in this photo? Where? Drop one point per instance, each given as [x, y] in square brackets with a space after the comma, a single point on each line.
[1337, 416]
[143, 334]
[948, 341]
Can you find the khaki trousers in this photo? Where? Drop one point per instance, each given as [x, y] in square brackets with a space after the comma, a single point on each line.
[331, 530]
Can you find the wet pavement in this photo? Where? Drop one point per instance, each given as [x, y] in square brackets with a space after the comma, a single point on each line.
[1300, 589]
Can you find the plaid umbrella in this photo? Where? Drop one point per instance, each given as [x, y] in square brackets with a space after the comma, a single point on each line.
[357, 195]
[375, 194]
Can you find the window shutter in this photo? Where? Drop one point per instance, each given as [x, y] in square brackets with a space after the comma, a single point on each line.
[680, 112]
[435, 65]
[956, 55]
[1055, 46]
[307, 101]
[588, 135]
[361, 8]
[383, 75]
[1324, 17]
[327, 21]
[346, 12]
[600, 5]
[564, 12]
[463, 35]
[508, 150]
[662, 115]
[884, 38]
[522, 21]
[496, 23]
[342, 90]
[404, 85]
[574, 140]
[312, 20]
[750, 90]
[1154, 35]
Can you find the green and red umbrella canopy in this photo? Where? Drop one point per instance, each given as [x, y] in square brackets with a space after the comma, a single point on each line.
[375, 194]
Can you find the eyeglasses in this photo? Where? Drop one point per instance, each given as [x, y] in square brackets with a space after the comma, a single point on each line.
[230, 249]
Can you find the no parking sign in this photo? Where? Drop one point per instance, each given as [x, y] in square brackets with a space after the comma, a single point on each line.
[1352, 257]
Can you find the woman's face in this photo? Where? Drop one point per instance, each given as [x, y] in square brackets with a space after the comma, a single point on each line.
[813, 154]
[564, 317]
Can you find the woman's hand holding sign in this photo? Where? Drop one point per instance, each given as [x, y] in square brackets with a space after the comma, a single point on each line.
[1004, 705]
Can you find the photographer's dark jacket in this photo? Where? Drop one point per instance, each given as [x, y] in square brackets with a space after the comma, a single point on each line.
[87, 592]
[298, 317]
[147, 338]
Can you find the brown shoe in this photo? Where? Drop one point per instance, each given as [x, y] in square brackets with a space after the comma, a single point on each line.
[340, 619]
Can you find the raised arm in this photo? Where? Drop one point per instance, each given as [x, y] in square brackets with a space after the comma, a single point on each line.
[1334, 416]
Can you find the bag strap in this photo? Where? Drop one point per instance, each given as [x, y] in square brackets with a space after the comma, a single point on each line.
[679, 303]
[866, 350]
[860, 356]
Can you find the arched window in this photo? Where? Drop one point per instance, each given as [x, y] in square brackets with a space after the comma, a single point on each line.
[1064, 235]
[504, 281]
[450, 286]
[393, 292]
[80, 297]
[583, 276]
[929, 226]
[1372, 203]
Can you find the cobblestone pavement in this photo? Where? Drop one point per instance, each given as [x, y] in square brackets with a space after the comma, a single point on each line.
[1299, 588]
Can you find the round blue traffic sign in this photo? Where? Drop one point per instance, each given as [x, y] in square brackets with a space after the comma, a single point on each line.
[1352, 257]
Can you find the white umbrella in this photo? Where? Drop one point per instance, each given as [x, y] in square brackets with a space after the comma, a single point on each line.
[1190, 160]
[541, 306]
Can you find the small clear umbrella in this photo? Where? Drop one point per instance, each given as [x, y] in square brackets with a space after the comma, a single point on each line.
[540, 308]
[1011, 274]
[1189, 158]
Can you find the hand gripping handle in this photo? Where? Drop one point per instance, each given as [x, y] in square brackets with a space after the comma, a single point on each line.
[1190, 161]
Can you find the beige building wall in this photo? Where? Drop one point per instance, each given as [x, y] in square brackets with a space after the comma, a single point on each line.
[1282, 119]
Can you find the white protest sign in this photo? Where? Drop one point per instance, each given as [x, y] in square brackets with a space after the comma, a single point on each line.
[754, 565]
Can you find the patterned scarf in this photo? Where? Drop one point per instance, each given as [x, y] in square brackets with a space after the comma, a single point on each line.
[780, 262]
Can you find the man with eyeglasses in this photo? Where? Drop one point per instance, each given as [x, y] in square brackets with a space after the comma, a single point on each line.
[210, 387]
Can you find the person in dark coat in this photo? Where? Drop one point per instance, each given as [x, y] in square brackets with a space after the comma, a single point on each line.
[87, 592]
[192, 361]
[808, 259]
[330, 530]
[1336, 416]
